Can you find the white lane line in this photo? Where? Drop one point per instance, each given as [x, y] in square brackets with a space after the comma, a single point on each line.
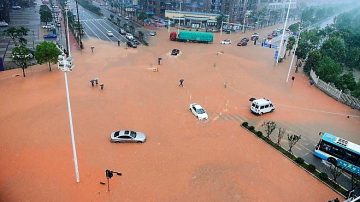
[106, 22]
[108, 29]
[100, 31]
[317, 110]
[92, 30]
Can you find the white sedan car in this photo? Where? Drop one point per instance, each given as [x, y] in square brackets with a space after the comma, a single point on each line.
[109, 33]
[226, 42]
[198, 111]
[127, 136]
[129, 36]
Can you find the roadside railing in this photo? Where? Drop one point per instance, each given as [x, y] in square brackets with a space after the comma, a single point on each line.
[334, 92]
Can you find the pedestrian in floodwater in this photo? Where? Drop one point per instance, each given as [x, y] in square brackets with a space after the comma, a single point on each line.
[118, 43]
[102, 86]
[181, 83]
[92, 83]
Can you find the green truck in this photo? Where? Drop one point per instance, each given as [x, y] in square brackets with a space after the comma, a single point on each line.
[192, 36]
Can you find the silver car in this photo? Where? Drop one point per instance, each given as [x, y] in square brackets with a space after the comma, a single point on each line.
[127, 136]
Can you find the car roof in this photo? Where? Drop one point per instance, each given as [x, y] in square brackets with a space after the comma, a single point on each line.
[262, 101]
[197, 106]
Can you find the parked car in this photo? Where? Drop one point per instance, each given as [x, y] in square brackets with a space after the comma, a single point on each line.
[58, 24]
[127, 136]
[50, 36]
[16, 7]
[136, 41]
[198, 111]
[226, 42]
[131, 44]
[152, 33]
[129, 36]
[175, 51]
[122, 31]
[3, 24]
[110, 34]
[127, 18]
[242, 43]
[48, 26]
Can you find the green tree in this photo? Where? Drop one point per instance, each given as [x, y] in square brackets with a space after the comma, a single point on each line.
[295, 27]
[312, 61]
[356, 92]
[141, 16]
[17, 35]
[346, 82]
[290, 45]
[21, 56]
[45, 14]
[219, 19]
[328, 70]
[334, 48]
[353, 58]
[141, 35]
[47, 52]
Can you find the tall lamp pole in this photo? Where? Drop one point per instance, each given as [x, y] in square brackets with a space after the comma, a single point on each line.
[67, 65]
[179, 18]
[78, 19]
[283, 33]
[292, 59]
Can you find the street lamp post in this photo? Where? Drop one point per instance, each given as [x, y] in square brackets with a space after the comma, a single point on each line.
[78, 19]
[293, 57]
[283, 33]
[179, 18]
[66, 65]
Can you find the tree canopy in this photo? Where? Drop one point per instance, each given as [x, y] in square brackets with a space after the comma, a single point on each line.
[47, 52]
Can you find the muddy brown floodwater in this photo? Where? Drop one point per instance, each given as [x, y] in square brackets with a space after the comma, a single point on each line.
[183, 159]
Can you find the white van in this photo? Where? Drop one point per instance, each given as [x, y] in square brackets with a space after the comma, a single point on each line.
[261, 106]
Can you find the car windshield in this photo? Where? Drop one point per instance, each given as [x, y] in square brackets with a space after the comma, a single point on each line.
[200, 111]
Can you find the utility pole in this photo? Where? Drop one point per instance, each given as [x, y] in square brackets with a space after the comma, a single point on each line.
[78, 19]
[283, 33]
[244, 13]
[179, 18]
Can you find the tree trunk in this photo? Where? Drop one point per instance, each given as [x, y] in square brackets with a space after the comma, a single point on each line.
[23, 69]
[49, 66]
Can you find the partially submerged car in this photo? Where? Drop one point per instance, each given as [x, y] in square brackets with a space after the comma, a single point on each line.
[198, 111]
[175, 51]
[127, 136]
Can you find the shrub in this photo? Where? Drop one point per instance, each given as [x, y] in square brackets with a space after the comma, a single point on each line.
[245, 124]
[251, 128]
[259, 133]
[323, 176]
[299, 160]
[311, 168]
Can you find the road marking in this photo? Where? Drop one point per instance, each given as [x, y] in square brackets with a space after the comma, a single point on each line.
[316, 110]
[92, 30]
[107, 23]
[100, 31]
